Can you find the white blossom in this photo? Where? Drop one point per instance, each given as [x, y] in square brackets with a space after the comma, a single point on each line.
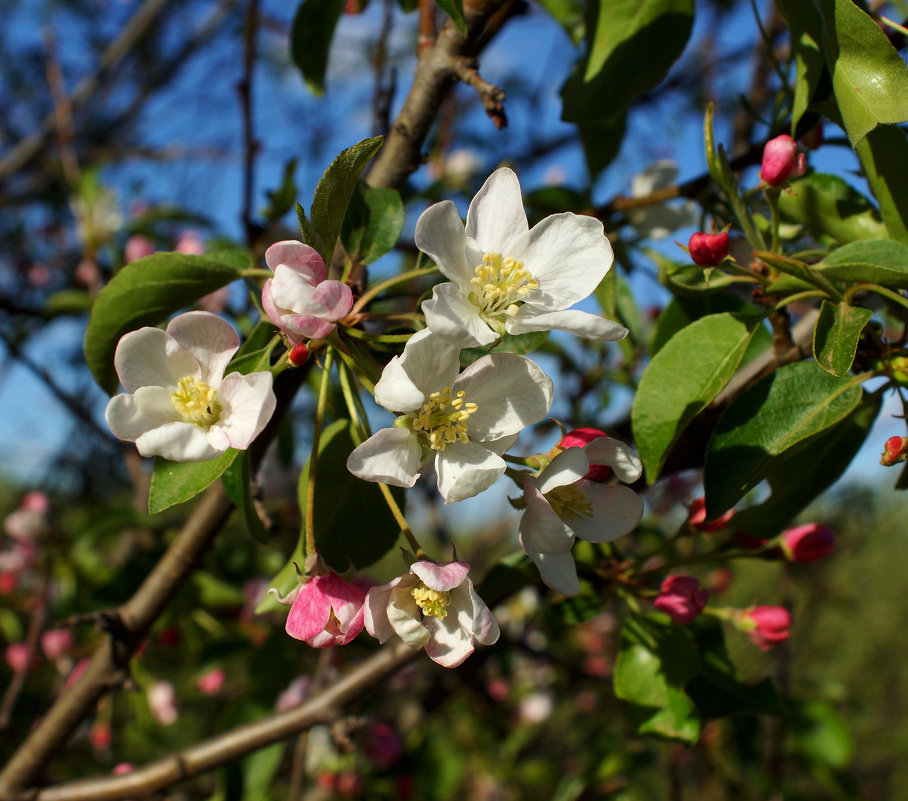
[657, 221]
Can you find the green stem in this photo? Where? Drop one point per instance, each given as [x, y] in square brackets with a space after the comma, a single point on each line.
[381, 286]
[386, 338]
[807, 293]
[254, 272]
[772, 198]
[401, 520]
[322, 402]
[895, 297]
[707, 558]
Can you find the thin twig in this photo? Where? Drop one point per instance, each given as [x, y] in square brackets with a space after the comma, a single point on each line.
[492, 96]
[250, 145]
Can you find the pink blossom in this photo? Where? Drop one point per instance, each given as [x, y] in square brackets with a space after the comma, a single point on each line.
[212, 682]
[767, 626]
[8, 583]
[696, 517]
[708, 250]
[294, 694]
[807, 543]
[190, 242]
[38, 275]
[101, 735]
[326, 611]
[138, 247]
[681, 598]
[781, 161]
[30, 519]
[56, 643]
[17, 656]
[579, 437]
[123, 767]
[87, 274]
[76, 673]
[162, 701]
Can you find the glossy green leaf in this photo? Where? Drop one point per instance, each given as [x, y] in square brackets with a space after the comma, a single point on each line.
[570, 15]
[334, 190]
[631, 44]
[682, 310]
[836, 335]
[879, 261]
[310, 39]
[454, 9]
[800, 270]
[178, 482]
[682, 379]
[805, 25]
[829, 206]
[601, 140]
[146, 292]
[372, 225]
[869, 77]
[353, 525]
[796, 402]
[308, 234]
[237, 481]
[883, 154]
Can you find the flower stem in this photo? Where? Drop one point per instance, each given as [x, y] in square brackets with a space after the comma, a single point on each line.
[401, 520]
[311, 556]
[381, 286]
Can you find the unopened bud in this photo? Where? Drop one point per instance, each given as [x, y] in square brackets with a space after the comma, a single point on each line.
[781, 161]
[583, 436]
[681, 598]
[298, 355]
[697, 517]
[894, 451]
[767, 626]
[807, 543]
[708, 250]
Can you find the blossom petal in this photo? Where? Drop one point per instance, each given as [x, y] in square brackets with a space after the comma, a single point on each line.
[310, 612]
[151, 357]
[375, 610]
[450, 640]
[582, 324]
[130, 416]
[496, 218]
[431, 362]
[465, 469]
[181, 442]
[299, 257]
[617, 511]
[209, 338]
[405, 616]
[511, 392]
[290, 290]
[501, 445]
[332, 300]
[441, 577]
[558, 571]
[568, 254]
[450, 315]
[484, 626]
[566, 468]
[540, 529]
[248, 403]
[440, 235]
[305, 326]
[620, 457]
[396, 391]
[347, 602]
[391, 456]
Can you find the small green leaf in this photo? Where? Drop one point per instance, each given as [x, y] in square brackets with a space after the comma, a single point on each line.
[146, 292]
[875, 261]
[310, 39]
[794, 403]
[454, 9]
[798, 269]
[333, 192]
[255, 351]
[682, 310]
[309, 235]
[372, 225]
[237, 481]
[178, 482]
[883, 154]
[810, 64]
[819, 733]
[836, 335]
[682, 379]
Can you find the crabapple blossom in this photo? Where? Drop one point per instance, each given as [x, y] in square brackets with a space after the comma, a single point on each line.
[658, 220]
[180, 405]
[579, 437]
[781, 161]
[681, 598]
[435, 607]
[561, 505]
[30, 519]
[212, 682]
[464, 421]
[326, 611]
[767, 626]
[807, 543]
[162, 701]
[56, 643]
[708, 250]
[507, 278]
[299, 299]
[138, 247]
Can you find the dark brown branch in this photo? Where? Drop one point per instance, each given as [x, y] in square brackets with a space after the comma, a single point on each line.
[492, 96]
[250, 145]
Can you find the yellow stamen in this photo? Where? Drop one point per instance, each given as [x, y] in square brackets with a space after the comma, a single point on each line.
[569, 502]
[196, 402]
[443, 419]
[432, 602]
[500, 286]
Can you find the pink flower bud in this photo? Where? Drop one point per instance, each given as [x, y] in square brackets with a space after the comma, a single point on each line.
[681, 598]
[807, 543]
[137, 247]
[748, 541]
[87, 274]
[17, 656]
[767, 626]
[708, 250]
[162, 701]
[781, 161]
[583, 436]
[212, 682]
[894, 451]
[299, 354]
[696, 517]
[326, 611]
[37, 502]
[56, 643]
[190, 242]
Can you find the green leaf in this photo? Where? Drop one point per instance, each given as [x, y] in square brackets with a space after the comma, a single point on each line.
[372, 225]
[510, 343]
[570, 15]
[818, 462]
[67, 301]
[178, 482]
[836, 335]
[794, 403]
[237, 481]
[255, 351]
[310, 39]
[654, 663]
[682, 310]
[883, 154]
[829, 206]
[353, 524]
[682, 379]
[631, 44]
[601, 140]
[215, 592]
[332, 195]
[454, 9]
[878, 261]
[309, 235]
[819, 733]
[146, 292]
[805, 25]
[798, 269]
[869, 77]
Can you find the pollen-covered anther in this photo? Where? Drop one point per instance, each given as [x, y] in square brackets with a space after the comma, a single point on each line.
[196, 401]
[501, 284]
[569, 502]
[433, 603]
[443, 418]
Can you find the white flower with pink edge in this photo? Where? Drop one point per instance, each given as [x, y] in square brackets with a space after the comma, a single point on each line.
[433, 607]
[179, 404]
[299, 299]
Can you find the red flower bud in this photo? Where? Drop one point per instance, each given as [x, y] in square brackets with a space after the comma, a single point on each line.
[807, 543]
[708, 250]
[681, 598]
[767, 626]
[298, 354]
[781, 161]
[895, 450]
[579, 437]
[697, 517]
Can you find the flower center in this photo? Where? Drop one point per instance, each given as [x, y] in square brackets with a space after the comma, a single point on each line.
[196, 401]
[501, 284]
[569, 502]
[433, 603]
[443, 418]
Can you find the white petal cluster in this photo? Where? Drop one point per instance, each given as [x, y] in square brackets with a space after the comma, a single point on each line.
[659, 220]
[179, 404]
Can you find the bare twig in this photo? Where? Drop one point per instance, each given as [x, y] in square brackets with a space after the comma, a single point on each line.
[250, 145]
[492, 96]
[426, 25]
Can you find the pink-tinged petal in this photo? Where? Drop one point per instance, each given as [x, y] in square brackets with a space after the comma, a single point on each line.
[248, 402]
[566, 468]
[568, 254]
[391, 456]
[620, 457]
[540, 529]
[405, 616]
[150, 357]
[325, 639]
[440, 235]
[558, 571]
[484, 626]
[449, 642]
[130, 416]
[496, 218]
[396, 391]
[310, 611]
[331, 301]
[290, 291]
[511, 392]
[268, 304]
[581, 324]
[450, 315]
[347, 602]
[375, 611]
[442, 577]
[431, 362]
[465, 469]
[209, 338]
[300, 327]
[617, 511]
[178, 442]
[299, 257]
